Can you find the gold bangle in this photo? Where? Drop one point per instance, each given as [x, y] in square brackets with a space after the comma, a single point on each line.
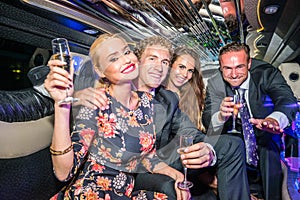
[58, 153]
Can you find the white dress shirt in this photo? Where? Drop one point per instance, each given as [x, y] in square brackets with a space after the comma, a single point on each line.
[279, 116]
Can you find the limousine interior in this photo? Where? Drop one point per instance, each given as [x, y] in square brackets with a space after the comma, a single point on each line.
[270, 27]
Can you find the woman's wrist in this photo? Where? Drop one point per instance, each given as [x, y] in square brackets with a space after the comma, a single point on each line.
[63, 107]
[61, 152]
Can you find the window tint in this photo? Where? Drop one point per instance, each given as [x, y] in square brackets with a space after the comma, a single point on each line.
[16, 60]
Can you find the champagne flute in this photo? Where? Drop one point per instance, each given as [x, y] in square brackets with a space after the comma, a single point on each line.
[185, 141]
[61, 51]
[236, 100]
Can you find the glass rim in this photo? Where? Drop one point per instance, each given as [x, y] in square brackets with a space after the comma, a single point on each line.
[56, 40]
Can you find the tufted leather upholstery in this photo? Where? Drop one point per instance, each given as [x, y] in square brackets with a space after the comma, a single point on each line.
[24, 105]
[26, 126]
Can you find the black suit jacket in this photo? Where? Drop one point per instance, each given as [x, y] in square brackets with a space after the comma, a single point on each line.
[268, 92]
[170, 122]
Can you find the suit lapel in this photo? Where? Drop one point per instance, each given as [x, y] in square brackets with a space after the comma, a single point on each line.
[159, 118]
[221, 87]
[252, 97]
[160, 115]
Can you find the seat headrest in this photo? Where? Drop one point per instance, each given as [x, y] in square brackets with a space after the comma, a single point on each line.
[19, 139]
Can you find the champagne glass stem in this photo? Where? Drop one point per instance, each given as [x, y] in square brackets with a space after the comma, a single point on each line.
[185, 141]
[233, 123]
[67, 92]
[185, 175]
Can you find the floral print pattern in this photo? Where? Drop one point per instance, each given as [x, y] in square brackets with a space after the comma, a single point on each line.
[109, 146]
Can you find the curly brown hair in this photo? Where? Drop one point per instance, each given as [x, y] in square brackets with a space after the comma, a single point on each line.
[150, 41]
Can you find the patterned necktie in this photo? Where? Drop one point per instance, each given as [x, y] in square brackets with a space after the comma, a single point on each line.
[249, 136]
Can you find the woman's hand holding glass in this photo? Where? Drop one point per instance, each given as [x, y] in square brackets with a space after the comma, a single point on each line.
[163, 168]
[61, 51]
[58, 80]
[182, 194]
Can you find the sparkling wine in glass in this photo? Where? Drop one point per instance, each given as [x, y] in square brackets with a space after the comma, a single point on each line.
[236, 100]
[185, 141]
[61, 51]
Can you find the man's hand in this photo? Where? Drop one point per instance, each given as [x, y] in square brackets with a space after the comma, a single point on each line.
[197, 156]
[268, 124]
[226, 109]
[92, 98]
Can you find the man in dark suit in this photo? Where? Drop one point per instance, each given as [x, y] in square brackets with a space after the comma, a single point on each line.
[154, 54]
[271, 103]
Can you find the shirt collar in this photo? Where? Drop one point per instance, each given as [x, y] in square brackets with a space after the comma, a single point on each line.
[245, 84]
[152, 92]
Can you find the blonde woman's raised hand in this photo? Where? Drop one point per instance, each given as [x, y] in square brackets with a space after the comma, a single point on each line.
[58, 80]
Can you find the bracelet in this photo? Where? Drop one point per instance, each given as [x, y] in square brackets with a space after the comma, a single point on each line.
[58, 153]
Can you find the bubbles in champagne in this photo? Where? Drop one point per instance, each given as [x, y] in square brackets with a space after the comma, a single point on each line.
[66, 58]
[236, 109]
[180, 150]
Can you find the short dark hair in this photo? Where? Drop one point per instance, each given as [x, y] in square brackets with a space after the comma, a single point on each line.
[234, 47]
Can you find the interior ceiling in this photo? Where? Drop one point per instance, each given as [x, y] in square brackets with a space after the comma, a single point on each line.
[201, 24]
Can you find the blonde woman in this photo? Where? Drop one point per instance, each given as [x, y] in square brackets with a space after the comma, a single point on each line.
[108, 145]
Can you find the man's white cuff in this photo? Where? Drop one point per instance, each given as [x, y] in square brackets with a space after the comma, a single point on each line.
[214, 161]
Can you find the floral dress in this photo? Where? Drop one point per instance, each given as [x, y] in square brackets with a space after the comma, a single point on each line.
[109, 146]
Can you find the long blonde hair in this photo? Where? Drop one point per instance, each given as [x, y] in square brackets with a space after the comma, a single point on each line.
[94, 55]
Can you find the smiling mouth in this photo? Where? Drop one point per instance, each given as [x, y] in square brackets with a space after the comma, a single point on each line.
[129, 69]
[157, 76]
[180, 79]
